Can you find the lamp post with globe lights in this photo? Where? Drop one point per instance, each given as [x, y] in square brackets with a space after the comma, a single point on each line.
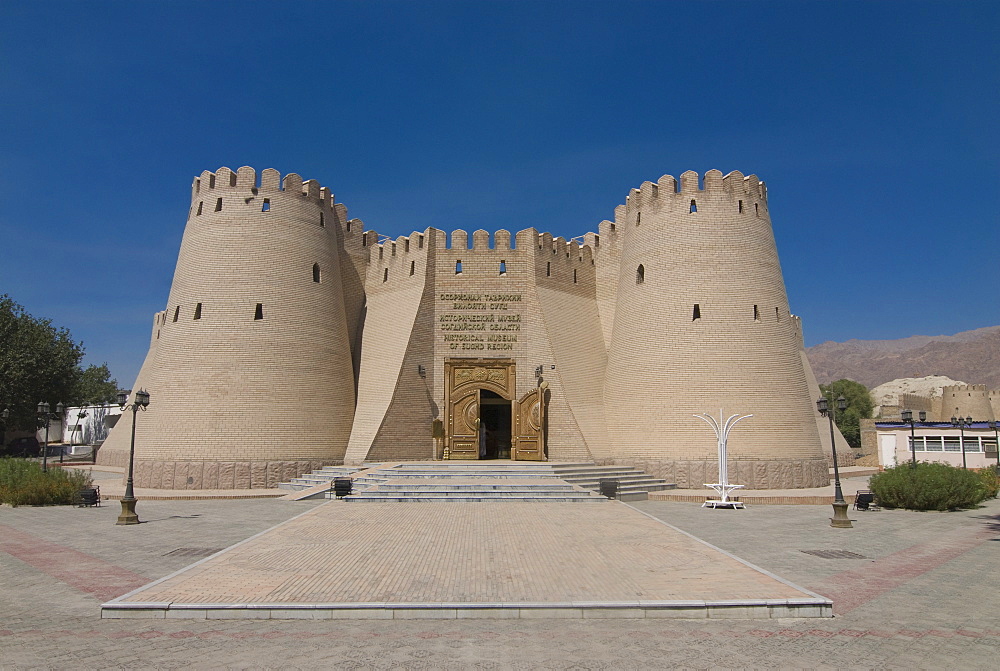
[46, 417]
[908, 419]
[141, 400]
[961, 423]
[839, 519]
[996, 441]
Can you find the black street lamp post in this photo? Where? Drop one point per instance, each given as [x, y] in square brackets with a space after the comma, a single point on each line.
[961, 423]
[996, 438]
[46, 416]
[908, 419]
[839, 519]
[141, 400]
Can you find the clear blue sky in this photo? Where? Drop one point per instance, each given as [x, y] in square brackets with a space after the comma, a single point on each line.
[875, 125]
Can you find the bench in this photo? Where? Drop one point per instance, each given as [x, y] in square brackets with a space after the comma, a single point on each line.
[88, 496]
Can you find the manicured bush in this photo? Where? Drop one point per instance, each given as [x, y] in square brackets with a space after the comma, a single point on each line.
[24, 483]
[991, 481]
[929, 486]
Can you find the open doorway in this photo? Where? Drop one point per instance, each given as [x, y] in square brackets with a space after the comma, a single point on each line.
[494, 426]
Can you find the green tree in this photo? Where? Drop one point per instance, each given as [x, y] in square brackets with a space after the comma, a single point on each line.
[39, 362]
[95, 385]
[859, 406]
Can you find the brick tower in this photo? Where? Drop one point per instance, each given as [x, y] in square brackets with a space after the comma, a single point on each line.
[258, 297]
[701, 322]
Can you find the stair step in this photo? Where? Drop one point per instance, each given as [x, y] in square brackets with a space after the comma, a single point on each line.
[476, 480]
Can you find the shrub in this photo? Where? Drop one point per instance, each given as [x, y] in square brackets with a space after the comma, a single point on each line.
[929, 486]
[991, 481]
[24, 483]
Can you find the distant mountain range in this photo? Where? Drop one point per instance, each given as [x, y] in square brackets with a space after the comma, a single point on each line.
[972, 356]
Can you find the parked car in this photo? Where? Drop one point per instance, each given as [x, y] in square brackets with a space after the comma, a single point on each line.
[26, 446]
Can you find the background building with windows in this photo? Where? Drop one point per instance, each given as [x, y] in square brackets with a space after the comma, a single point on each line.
[939, 442]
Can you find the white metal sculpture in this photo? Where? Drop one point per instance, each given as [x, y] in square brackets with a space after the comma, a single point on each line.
[722, 429]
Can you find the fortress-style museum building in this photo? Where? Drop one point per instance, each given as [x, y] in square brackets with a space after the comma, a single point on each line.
[292, 338]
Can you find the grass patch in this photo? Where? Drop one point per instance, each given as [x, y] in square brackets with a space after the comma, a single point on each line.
[24, 483]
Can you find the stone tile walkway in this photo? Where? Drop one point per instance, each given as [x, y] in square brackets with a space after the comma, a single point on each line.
[491, 554]
[921, 598]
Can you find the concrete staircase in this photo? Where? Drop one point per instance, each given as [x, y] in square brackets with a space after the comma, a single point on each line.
[325, 476]
[481, 481]
[633, 484]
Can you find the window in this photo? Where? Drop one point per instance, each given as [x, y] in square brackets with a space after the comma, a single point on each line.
[503, 267]
[548, 268]
[385, 275]
[574, 277]
[741, 207]
[638, 218]
[694, 206]
[406, 244]
[317, 275]
[458, 267]
[640, 274]
[177, 312]
[777, 314]
[258, 312]
[218, 205]
[696, 313]
[322, 220]
[348, 225]
[413, 265]
[756, 210]
[952, 444]
[756, 314]
[197, 311]
[200, 204]
[266, 206]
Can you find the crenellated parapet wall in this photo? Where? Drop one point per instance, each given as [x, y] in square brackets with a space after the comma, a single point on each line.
[967, 400]
[747, 193]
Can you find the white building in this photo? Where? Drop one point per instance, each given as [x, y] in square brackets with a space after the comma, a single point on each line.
[937, 441]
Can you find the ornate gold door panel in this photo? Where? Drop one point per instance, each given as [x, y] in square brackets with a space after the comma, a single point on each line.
[464, 378]
[529, 426]
[463, 422]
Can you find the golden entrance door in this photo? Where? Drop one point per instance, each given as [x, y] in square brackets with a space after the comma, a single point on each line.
[529, 426]
[466, 383]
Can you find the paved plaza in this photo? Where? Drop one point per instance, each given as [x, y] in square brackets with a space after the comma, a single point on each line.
[916, 594]
[449, 559]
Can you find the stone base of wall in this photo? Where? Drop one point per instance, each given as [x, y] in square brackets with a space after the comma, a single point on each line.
[756, 474]
[210, 474]
[845, 457]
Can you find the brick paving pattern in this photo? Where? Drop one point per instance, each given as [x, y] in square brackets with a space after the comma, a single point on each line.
[451, 552]
[938, 611]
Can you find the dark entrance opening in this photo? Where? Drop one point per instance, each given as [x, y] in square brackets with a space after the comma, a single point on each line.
[494, 427]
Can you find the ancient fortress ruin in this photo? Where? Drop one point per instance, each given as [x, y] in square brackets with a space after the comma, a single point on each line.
[292, 338]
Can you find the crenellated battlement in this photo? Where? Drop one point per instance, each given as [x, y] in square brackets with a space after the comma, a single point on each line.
[964, 388]
[246, 185]
[671, 192]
